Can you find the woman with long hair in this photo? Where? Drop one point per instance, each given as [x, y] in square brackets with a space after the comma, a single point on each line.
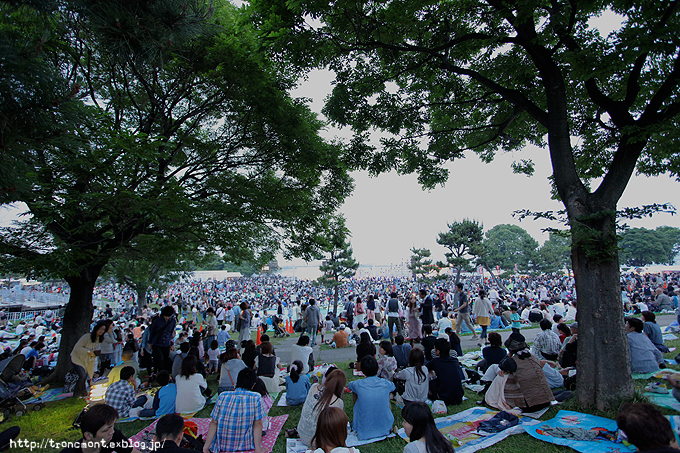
[331, 432]
[422, 431]
[189, 383]
[364, 348]
[417, 382]
[84, 355]
[321, 396]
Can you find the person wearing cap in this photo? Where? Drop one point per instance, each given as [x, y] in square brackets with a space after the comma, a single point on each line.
[526, 386]
[340, 337]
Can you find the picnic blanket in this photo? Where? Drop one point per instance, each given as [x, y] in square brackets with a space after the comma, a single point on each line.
[664, 400]
[461, 429]
[50, 395]
[144, 438]
[564, 430]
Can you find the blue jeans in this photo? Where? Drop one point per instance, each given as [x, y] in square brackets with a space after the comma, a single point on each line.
[311, 331]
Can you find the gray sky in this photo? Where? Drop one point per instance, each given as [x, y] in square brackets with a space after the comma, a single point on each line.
[390, 214]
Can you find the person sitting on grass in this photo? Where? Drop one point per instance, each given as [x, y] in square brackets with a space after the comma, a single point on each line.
[169, 434]
[97, 427]
[446, 383]
[127, 356]
[387, 364]
[428, 342]
[331, 432]
[236, 419]
[231, 367]
[372, 414]
[297, 386]
[644, 356]
[421, 430]
[340, 337]
[121, 394]
[401, 351]
[164, 400]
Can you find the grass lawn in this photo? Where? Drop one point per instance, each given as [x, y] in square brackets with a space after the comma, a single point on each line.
[54, 421]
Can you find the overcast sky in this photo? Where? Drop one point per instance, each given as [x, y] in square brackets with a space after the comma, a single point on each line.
[390, 214]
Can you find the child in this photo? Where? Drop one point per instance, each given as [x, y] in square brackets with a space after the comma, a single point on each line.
[328, 328]
[422, 431]
[297, 386]
[164, 401]
[267, 403]
[331, 432]
[515, 318]
[213, 357]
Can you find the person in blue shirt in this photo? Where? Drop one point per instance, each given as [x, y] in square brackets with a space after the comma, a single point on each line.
[297, 386]
[223, 336]
[372, 415]
[164, 401]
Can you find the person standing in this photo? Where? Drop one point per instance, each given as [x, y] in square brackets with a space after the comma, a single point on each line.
[161, 337]
[349, 312]
[244, 319]
[313, 318]
[483, 311]
[414, 327]
[393, 315]
[426, 307]
[463, 311]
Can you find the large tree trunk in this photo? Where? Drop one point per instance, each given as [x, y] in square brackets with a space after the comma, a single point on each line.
[141, 296]
[335, 300]
[604, 376]
[496, 279]
[77, 318]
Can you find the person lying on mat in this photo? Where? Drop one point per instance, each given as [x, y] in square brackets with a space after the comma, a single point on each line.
[236, 423]
[99, 434]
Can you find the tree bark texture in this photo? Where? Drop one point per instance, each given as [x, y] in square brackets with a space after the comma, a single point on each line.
[77, 318]
[604, 375]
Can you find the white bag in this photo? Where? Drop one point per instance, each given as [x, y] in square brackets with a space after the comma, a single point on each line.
[438, 407]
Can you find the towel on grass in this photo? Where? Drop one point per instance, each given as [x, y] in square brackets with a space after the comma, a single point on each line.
[664, 400]
[49, 395]
[461, 429]
[573, 429]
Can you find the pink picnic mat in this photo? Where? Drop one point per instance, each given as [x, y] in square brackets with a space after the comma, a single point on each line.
[275, 425]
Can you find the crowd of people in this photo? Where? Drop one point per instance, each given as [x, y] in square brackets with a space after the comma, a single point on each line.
[406, 336]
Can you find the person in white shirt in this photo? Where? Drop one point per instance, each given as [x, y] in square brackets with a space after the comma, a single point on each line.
[444, 322]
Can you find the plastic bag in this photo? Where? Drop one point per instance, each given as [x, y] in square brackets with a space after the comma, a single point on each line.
[438, 407]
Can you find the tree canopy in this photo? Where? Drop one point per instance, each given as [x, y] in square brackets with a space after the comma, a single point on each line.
[178, 123]
[463, 240]
[420, 264]
[441, 78]
[339, 265]
[642, 247]
[509, 245]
